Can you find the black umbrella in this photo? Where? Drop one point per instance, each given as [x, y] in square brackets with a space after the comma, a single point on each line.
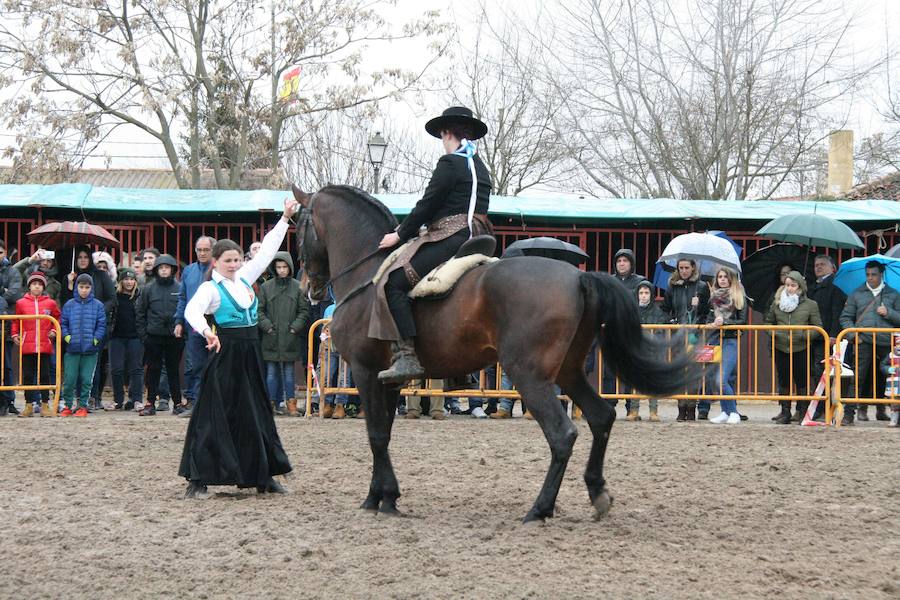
[761, 270]
[547, 247]
[893, 252]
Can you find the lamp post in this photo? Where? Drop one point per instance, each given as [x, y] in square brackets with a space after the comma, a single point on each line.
[377, 147]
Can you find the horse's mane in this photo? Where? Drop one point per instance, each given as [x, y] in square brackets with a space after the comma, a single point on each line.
[348, 191]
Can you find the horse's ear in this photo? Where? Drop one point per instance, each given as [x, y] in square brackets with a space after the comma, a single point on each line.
[300, 196]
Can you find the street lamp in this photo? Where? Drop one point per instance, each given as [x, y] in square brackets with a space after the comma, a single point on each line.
[377, 147]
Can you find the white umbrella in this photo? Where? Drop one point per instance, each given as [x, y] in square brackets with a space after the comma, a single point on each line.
[710, 252]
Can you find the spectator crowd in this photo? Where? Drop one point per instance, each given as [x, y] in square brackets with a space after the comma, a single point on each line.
[125, 326]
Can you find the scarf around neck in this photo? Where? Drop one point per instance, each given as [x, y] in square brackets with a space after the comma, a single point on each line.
[877, 290]
[721, 302]
[789, 302]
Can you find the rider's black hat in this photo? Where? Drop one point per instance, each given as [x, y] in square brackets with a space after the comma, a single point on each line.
[456, 114]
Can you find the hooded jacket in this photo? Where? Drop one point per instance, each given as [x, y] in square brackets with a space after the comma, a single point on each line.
[650, 314]
[85, 320]
[34, 334]
[158, 301]
[282, 313]
[631, 280]
[806, 313]
[831, 301]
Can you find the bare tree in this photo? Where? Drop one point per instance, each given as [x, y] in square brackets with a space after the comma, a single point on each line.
[495, 78]
[695, 98]
[201, 76]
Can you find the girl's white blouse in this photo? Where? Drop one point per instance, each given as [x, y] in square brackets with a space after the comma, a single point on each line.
[206, 300]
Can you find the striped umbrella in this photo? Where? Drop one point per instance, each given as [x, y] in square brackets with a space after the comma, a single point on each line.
[68, 234]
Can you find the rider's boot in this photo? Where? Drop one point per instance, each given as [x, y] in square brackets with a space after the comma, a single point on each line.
[404, 364]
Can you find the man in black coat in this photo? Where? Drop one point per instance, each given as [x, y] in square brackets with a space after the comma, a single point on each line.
[623, 269]
[831, 301]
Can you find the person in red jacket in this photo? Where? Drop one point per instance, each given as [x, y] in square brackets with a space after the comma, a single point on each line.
[36, 338]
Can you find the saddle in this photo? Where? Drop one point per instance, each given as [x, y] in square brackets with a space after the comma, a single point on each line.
[439, 283]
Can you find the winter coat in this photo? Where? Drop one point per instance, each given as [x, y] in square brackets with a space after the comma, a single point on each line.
[85, 320]
[282, 314]
[156, 308]
[104, 289]
[123, 317]
[806, 313]
[631, 280]
[193, 275]
[831, 301]
[34, 334]
[10, 287]
[652, 314]
[677, 302]
[53, 288]
[853, 314]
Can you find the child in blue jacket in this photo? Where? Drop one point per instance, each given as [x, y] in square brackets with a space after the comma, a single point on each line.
[83, 327]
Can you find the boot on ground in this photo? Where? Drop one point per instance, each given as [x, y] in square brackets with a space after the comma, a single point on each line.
[28, 411]
[501, 413]
[291, 407]
[339, 412]
[633, 415]
[881, 413]
[862, 414]
[47, 410]
[328, 411]
[654, 415]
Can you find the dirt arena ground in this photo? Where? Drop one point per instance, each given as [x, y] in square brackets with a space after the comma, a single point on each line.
[92, 508]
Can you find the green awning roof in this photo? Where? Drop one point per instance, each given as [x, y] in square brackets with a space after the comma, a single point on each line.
[568, 209]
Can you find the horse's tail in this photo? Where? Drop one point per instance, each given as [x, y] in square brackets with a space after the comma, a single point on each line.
[638, 359]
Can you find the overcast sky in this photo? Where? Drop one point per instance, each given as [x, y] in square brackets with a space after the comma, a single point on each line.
[129, 147]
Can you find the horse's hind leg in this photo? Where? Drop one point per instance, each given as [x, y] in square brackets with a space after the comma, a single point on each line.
[600, 417]
[380, 404]
[540, 396]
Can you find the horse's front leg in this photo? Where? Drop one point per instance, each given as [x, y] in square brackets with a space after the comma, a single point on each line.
[380, 404]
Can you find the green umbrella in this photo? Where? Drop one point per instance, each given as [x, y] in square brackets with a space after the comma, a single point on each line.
[811, 230]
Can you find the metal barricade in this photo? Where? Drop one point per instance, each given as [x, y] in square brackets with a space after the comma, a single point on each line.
[864, 341]
[18, 355]
[755, 380]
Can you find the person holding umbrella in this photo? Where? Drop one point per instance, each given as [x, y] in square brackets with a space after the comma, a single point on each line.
[831, 300]
[873, 304]
[687, 302]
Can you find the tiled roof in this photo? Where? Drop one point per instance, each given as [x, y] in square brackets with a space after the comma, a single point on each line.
[883, 188]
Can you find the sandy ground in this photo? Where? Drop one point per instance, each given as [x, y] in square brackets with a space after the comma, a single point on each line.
[92, 508]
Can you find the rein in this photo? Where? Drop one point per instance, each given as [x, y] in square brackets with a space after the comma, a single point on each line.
[307, 220]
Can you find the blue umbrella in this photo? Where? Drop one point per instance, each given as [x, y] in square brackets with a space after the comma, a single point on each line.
[665, 268]
[852, 273]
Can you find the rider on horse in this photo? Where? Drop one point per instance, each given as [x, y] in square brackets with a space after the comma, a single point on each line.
[453, 208]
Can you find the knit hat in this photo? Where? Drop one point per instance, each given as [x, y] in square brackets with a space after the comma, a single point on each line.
[84, 278]
[799, 279]
[127, 272]
[37, 276]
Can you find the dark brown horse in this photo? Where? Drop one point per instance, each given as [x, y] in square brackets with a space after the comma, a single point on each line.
[537, 316]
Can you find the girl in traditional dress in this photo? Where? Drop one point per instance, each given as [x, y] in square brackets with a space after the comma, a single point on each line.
[231, 438]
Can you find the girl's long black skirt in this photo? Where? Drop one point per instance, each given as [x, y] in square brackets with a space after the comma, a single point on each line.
[231, 438]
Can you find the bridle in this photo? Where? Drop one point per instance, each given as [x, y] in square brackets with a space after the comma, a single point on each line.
[303, 225]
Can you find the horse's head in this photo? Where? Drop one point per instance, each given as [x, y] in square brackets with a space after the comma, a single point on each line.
[311, 250]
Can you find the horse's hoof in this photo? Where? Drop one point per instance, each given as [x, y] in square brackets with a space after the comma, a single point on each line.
[370, 504]
[535, 516]
[602, 504]
[389, 507]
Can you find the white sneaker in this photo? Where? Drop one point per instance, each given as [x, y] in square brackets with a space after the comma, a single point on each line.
[479, 413]
[733, 419]
[895, 419]
[720, 418]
